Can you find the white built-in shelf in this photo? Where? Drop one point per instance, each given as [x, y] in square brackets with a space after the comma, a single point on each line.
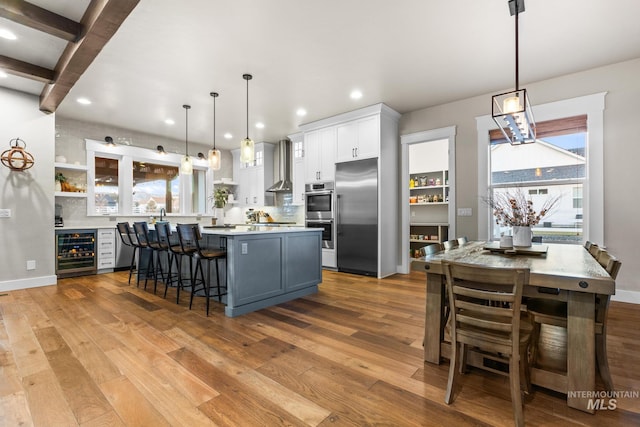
[429, 187]
[424, 241]
[69, 194]
[70, 166]
[220, 182]
[429, 224]
[428, 203]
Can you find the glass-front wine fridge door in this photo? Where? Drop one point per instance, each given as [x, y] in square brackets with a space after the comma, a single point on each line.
[75, 253]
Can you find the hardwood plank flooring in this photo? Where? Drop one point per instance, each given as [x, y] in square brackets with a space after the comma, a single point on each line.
[96, 351]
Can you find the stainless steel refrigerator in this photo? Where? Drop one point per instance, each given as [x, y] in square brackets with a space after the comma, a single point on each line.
[356, 189]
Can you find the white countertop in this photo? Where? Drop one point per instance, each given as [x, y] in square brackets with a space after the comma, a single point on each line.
[260, 229]
[86, 227]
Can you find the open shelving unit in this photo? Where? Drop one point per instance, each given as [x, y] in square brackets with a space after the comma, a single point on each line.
[72, 172]
[428, 199]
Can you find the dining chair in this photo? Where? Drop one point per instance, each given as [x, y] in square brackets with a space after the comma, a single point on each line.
[430, 249]
[594, 250]
[462, 240]
[551, 312]
[450, 244]
[500, 328]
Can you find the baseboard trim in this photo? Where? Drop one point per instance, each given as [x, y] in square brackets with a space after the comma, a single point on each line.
[32, 282]
[621, 295]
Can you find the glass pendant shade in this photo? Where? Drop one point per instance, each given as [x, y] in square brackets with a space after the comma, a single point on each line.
[247, 151]
[215, 160]
[186, 166]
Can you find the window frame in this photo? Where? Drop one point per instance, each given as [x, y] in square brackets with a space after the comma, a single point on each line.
[126, 155]
[593, 188]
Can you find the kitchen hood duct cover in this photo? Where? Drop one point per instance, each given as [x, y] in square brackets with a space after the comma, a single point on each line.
[284, 185]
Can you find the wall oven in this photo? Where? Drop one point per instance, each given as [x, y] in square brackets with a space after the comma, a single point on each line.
[319, 201]
[328, 231]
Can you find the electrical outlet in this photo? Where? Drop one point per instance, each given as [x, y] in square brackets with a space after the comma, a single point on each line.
[413, 213]
[31, 264]
[244, 248]
[5, 213]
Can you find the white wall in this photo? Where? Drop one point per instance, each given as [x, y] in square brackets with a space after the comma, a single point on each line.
[621, 154]
[28, 234]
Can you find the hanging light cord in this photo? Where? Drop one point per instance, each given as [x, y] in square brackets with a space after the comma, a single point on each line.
[517, 49]
[186, 128]
[247, 107]
[214, 95]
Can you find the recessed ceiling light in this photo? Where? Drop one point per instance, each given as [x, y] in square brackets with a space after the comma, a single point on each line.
[6, 34]
[260, 125]
[3, 75]
[228, 136]
[170, 122]
[83, 101]
[301, 112]
[356, 94]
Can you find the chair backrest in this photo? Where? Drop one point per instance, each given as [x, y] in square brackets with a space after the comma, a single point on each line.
[141, 231]
[609, 263]
[587, 245]
[430, 249]
[189, 235]
[163, 231]
[462, 240]
[594, 250]
[450, 244]
[485, 303]
[124, 230]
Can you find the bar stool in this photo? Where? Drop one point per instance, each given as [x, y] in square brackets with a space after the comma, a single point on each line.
[190, 236]
[125, 232]
[154, 266]
[163, 231]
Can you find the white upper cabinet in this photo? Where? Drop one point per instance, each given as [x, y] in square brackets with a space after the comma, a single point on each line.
[320, 154]
[254, 178]
[359, 139]
[298, 170]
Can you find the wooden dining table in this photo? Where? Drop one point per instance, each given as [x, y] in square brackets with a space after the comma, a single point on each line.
[562, 272]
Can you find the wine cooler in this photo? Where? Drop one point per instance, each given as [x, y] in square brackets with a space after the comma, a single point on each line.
[75, 252]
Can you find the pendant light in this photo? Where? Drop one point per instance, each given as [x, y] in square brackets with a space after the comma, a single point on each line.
[247, 147]
[186, 165]
[215, 159]
[511, 110]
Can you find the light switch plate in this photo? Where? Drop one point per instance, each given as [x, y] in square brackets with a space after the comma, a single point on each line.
[464, 212]
[5, 213]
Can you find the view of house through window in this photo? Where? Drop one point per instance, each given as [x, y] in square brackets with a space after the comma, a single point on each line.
[554, 167]
[155, 187]
[106, 186]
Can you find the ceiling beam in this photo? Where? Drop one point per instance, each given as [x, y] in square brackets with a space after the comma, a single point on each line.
[100, 22]
[24, 69]
[40, 19]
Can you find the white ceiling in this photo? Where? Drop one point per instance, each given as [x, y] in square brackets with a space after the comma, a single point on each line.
[409, 54]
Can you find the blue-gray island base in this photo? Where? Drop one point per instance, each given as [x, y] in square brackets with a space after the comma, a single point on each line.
[268, 265]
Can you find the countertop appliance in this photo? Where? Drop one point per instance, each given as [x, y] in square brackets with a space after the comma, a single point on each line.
[58, 218]
[356, 188]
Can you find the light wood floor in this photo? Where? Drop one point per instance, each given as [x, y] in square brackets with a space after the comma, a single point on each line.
[95, 351]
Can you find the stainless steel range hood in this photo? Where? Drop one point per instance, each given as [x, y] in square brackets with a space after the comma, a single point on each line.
[284, 185]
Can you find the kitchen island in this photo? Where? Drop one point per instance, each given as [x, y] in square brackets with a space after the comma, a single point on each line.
[268, 265]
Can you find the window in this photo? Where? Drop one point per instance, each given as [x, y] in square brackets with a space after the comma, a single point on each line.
[106, 186]
[592, 185]
[155, 187]
[138, 181]
[557, 160]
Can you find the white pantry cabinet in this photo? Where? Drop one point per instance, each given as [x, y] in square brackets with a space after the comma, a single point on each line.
[320, 154]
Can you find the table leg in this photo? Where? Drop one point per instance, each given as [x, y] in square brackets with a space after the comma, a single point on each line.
[433, 318]
[581, 366]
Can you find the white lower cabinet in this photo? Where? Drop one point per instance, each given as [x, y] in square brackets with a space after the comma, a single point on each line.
[106, 248]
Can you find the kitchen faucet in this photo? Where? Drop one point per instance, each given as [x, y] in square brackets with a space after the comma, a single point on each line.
[162, 211]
